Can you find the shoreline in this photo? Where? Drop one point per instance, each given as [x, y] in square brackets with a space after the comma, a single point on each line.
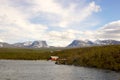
[103, 57]
[59, 64]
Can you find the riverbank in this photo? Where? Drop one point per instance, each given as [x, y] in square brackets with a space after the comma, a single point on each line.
[104, 57]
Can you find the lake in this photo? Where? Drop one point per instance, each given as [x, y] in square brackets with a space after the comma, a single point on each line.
[48, 70]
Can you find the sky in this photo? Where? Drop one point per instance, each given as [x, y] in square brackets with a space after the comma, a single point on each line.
[59, 22]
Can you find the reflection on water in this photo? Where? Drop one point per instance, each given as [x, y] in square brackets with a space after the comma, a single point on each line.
[46, 70]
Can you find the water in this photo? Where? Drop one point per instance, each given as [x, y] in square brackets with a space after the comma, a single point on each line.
[47, 70]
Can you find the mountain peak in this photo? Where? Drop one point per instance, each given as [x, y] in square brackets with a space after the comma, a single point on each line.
[86, 43]
[32, 44]
[39, 44]
[80, 43]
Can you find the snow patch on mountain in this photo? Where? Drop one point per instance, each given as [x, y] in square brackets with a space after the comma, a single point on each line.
[86, 43]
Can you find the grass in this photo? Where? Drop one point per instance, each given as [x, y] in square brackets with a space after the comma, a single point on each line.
[24, 54]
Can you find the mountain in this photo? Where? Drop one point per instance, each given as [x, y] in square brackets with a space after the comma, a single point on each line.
[32, 44]
[75, 43]
[27, 44]
[80, 43]
[86, 43]
[23, 44]
[107, 42]
[3, 44]
[39, 44]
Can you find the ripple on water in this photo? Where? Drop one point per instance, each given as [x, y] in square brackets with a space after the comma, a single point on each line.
[47, 70]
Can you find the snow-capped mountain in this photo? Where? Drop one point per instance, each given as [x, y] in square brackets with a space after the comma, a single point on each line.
[23, 44]
[3, 44]
[107, 42]
[27, 44]
[32, 44]
[80, 43]
[75, 43]
[86, 43]
[38, 44]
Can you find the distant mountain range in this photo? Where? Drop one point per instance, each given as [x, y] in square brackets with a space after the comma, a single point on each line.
[86, 43]
[74, 44]
[27, 44]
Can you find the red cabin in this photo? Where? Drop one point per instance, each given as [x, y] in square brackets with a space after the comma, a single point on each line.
[54, 58]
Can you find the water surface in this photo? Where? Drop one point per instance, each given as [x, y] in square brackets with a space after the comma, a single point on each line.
[47, 70]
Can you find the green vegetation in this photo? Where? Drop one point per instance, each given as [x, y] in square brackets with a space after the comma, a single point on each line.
[105, 57]
[24, 54]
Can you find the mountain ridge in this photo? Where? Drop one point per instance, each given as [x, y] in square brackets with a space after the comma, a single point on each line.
[73, 44]
[27, 44]
[84, 43]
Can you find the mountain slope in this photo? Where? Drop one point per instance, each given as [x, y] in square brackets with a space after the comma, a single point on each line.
[3, 44]
[107, 42]
[32, 44]
[81, 43]
[38, 44]
[27, 44]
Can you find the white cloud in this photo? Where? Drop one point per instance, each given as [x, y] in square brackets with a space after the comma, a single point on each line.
[65, 35]
[1, 40]
[109, 31]
[67, 15]
[15, 24]
[62, 38]
[72, 16]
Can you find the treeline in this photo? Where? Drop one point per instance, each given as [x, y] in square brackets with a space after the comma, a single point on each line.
[106, 57]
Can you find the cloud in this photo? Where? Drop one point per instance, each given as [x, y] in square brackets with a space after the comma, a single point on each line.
[14, 25]
[78, 16]
[68, 34]
[22, 20]
[62, 38]
[110, 31]
[63, 16]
